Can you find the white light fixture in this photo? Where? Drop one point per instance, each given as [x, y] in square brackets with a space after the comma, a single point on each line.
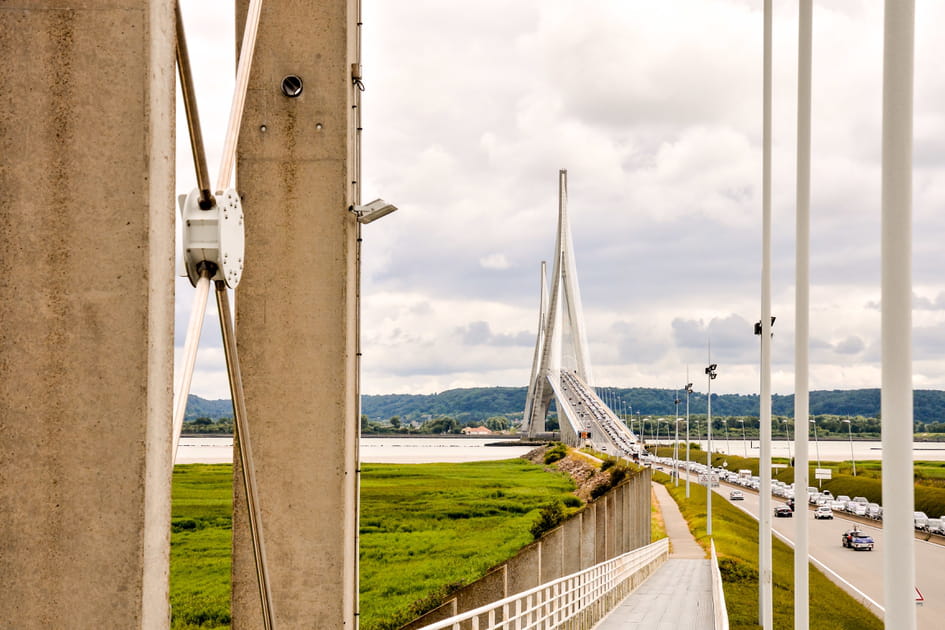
[372, 211]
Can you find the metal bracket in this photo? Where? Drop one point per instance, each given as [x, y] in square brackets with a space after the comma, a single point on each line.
[213, 236]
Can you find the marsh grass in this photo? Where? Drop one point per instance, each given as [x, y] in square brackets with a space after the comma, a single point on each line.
[426, 529]
[736, 541]
[201, 540]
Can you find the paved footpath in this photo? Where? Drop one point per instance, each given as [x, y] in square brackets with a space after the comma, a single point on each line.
[679, 595]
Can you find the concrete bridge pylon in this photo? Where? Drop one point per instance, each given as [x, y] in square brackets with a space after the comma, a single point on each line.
[561, 343]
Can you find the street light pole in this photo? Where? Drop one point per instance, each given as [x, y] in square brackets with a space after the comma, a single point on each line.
[787, 432]
[710, 372]
[744, 441]
[850, 431]
[688, 391]
[676, 451]
[676, 401]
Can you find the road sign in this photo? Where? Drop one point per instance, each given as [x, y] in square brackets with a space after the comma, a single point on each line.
[779, 465]
[919, 599]
[823, 473]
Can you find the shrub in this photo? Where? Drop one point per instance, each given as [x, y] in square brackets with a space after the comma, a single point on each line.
[608, 463]
[572, 501]
[557, 452]
[549, 517]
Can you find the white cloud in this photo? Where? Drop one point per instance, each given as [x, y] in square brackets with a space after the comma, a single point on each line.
[494, 261]
[654, 108]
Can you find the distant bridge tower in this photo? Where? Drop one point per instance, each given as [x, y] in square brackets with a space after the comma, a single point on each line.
[562, 340]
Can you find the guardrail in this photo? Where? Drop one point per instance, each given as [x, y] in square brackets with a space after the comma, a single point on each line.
[572, 602]
[718, 595]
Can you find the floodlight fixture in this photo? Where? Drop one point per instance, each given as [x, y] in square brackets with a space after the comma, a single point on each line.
[758, 325]
[372, 211]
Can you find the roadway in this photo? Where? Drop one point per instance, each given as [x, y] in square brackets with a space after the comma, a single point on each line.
[861, 569]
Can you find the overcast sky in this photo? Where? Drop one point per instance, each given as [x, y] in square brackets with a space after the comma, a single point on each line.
[654, 108]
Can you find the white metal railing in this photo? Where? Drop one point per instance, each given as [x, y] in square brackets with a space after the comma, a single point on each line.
[580, 598]
[718, 595]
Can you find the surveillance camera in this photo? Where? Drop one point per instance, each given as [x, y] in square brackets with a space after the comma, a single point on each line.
[373, 211]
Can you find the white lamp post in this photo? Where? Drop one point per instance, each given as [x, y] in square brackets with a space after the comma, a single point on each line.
[850, 432]
[710, 373]
[688, 391]
[744, 441]
[787, 431]
[676, 452]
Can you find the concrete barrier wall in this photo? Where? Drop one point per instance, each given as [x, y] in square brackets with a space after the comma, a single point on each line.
[612, 525]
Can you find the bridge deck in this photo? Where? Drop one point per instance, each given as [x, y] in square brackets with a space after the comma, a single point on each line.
[679, 595]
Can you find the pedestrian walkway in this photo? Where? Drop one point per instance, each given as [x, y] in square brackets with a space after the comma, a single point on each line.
[678, 596]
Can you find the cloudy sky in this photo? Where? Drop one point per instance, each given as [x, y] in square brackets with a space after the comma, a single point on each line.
[654, 108]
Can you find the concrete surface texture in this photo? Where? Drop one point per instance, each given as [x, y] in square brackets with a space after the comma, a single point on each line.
[86, 312]
[682, 544]
[296, 317]
[679, 594]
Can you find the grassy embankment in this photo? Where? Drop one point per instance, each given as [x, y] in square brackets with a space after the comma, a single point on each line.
[736, 542]
[201, 523]
[929, 478]
[425, 529]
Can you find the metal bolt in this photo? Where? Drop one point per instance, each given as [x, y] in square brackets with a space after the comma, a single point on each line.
[292, 86]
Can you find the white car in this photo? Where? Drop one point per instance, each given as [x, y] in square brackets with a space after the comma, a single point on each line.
[736, 495]
[823, 511]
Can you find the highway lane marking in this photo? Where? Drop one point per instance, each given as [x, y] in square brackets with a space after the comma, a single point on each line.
[816, 562]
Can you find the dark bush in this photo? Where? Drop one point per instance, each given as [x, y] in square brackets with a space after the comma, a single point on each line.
[549, 517]
[572, 501]
[555, 453]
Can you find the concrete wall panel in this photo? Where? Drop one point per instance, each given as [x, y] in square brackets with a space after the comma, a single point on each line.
[297, 316]
[589, 536]
[600, 527]
[86, 312]
[552, 546]
[572, 539]
[525, 569]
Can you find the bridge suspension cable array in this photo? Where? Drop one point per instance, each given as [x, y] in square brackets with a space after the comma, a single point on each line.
[213, 251]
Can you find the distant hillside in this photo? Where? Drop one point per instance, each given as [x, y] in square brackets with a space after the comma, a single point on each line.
[198, 407]
[479, 403]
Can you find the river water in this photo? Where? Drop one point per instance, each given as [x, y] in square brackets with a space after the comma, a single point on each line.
[398, 450]
[374, 450]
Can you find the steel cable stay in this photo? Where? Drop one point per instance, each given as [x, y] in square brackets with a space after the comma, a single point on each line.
[213, 245]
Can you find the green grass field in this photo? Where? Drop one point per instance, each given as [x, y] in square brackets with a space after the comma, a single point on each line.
[428, 528]
[425, 529]
[201, 541]
[736, 542]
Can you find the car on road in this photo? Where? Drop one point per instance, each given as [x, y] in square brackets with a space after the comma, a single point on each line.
[839, 504]
[736, 495]
[823, 511]
[920, 520]
[855, 539]
[783, 511]
[936, 526]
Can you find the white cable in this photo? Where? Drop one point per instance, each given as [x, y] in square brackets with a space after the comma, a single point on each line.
[239, 93]
[191, 342]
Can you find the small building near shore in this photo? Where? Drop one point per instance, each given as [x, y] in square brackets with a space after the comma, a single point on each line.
[476, 431]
